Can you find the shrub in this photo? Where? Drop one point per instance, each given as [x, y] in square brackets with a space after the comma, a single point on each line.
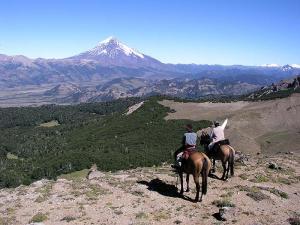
[38, 218]
[225, 202]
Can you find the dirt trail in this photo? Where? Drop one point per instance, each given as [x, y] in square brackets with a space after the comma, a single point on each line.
[149, 196]
[133, 108]
[269, 126]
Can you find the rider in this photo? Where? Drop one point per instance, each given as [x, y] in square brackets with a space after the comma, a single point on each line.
[188, 145]
[217, 133]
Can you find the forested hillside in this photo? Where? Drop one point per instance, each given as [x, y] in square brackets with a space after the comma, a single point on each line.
[46, 141]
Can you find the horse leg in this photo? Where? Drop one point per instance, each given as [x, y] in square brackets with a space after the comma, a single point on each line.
[213, 170]
[181, 182]
[204, 174]
[224, 170]
[227, 171]
[187, 182]
[196, 179]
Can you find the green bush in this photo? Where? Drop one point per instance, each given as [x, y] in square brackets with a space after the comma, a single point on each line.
[38, 218]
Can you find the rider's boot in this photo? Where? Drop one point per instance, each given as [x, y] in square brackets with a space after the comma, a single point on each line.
[176, 166]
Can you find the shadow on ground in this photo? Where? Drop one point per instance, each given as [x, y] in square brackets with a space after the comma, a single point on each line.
[163, 188]
[213, 176]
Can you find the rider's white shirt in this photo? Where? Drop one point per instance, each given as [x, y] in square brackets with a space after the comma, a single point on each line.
[217, 133]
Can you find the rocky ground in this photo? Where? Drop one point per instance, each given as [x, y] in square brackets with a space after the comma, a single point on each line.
[256, 194]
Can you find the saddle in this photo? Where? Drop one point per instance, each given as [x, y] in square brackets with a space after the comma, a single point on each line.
[223, 142]
[217, 145]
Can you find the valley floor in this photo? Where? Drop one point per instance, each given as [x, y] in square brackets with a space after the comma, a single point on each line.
[258, 194]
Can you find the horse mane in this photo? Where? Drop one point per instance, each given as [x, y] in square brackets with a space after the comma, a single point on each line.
[204, 131]
[204, 137]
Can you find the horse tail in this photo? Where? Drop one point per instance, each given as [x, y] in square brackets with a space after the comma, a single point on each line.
[231, 161]
[204, 173]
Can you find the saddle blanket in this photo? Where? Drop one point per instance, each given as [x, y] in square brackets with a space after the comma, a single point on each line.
[187, 152]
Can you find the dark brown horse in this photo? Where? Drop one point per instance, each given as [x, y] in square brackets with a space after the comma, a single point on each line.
[223, 152]
[197, 163]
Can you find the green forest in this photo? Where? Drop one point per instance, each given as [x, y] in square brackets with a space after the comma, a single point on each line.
[47, 141]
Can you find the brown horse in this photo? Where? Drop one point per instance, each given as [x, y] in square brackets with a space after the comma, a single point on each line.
[197, 163]
[223, 152]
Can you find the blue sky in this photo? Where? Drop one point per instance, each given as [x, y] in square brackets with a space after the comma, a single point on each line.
[249, 32]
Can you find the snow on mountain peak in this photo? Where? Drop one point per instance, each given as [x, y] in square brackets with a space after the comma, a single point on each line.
[295, 66]
[109, 39]
[112, 47]
[284, 67]
[270, 65]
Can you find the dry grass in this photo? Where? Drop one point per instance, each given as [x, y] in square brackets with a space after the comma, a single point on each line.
[254, 193]
[94, 192]
[260, 178]
[161, 215]
[75, 176]
[38, 218]
[44, 192]
[224, 202]
[68, 218]
[244, 176]
[227, 195]
[141, 215]
[275, 192]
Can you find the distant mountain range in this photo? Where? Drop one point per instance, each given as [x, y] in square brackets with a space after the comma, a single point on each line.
[137, 87]
[112, 70]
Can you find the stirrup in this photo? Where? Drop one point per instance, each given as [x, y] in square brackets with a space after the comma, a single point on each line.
[176, 168]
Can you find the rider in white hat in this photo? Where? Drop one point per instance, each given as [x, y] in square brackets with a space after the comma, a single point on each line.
[217, 133]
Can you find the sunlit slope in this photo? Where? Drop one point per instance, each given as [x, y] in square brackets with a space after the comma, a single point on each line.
[253, 127]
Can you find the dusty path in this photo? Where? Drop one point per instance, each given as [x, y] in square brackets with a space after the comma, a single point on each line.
[149, 196]
[270, 126]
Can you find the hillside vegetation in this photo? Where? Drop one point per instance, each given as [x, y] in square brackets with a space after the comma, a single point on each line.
[84, 134]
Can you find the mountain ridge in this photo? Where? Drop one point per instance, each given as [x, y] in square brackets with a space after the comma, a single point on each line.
[111, 60]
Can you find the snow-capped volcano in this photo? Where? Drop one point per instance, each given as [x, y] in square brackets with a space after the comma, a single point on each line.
[111, 51]
[112, 47]
[285, 68]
